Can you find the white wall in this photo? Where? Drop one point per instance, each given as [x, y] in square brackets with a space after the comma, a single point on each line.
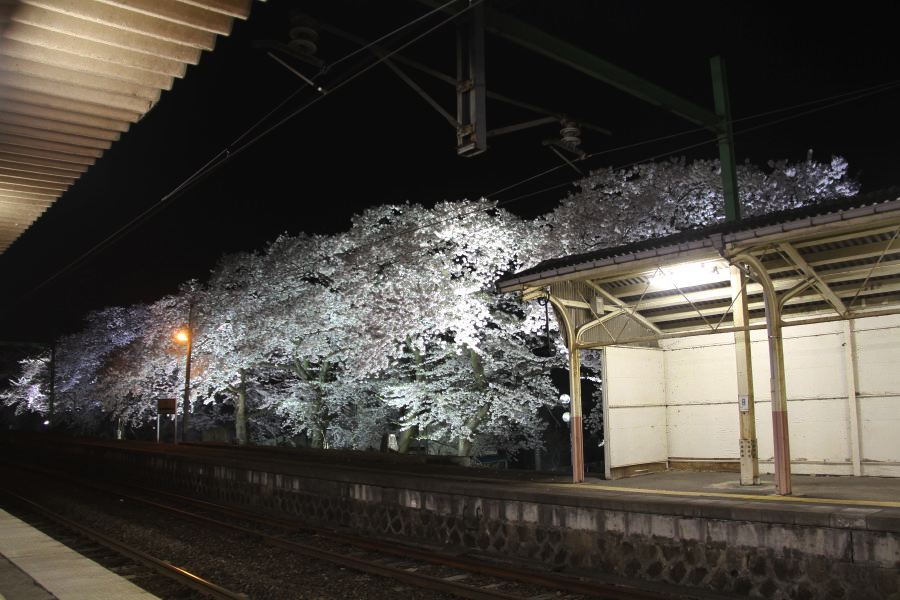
[878, 357]
[634, 411]
[701, 397]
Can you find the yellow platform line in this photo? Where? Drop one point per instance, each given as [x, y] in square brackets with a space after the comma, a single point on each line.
[730, 496]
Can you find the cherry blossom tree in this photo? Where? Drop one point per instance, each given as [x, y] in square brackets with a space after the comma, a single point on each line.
[453, 346]
[394, 324]
[30, 391]
[617, 206]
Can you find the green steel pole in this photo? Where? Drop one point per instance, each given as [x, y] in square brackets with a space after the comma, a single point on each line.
[725, 136]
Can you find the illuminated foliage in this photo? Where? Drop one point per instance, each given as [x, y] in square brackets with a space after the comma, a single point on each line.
[394, 326]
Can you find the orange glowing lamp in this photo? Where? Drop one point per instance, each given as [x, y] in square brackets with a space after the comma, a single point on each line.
[182, 336]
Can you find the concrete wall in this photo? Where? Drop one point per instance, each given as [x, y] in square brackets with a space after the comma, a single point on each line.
[701, 397]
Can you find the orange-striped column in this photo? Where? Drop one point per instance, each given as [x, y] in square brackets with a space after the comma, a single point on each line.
[576, 423]
[780, 433]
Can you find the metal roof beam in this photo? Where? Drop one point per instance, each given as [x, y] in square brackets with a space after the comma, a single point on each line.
[18, 120]
[69, 105]
[130, 21]
[827, 257]
[22, 219]
[804, 298]
[16, 209]
[51, 136]
[74, 44]
[527, 36]
[234, 8]
[88, 122]
[17, 175]
[531, 38]
[96, 32]
[74, 91]
[631, 311]
[885, 269]
[15, 193]
[23, 203]
[179, 12]
[84, 64]
[29, 152]
[869, 232]
[40, 166]
[811, 273]
[61, 148]
[12, 183]
[71, 77]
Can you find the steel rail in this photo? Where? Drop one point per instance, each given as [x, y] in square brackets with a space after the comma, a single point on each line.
[554, 582]
[171, 571]
[519, 575]
[398, 574]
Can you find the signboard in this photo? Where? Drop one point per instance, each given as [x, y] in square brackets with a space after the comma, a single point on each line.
[744, 403]
[166, 406]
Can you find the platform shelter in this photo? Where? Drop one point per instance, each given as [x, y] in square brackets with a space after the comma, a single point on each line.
[769, 344]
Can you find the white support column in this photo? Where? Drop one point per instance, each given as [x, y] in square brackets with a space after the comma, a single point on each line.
[576, 422]
[851, 371]
[780, 432]
[746, 402]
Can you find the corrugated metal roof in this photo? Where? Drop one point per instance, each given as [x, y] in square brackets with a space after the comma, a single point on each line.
[75, 74]
[833, 260]
[698, 238]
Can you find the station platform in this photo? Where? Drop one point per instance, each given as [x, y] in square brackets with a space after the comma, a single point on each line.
[34, 566]
[836, 537]
[836, 490]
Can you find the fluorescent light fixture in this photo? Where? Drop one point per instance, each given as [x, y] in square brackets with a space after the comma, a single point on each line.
[689, 274]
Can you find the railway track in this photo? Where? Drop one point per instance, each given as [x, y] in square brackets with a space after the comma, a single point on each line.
[426, 568]
[130, 563]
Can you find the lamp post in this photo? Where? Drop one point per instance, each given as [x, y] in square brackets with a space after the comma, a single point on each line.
[185, 336]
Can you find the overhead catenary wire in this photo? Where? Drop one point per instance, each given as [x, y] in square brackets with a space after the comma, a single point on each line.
[425, 252]
[668, 153]
[442, 221]
[233, 150]
[839, 100]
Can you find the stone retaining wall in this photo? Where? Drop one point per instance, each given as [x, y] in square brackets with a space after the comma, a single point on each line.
[803, 554]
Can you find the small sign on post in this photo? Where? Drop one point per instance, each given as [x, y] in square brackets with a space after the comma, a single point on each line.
[165, 406]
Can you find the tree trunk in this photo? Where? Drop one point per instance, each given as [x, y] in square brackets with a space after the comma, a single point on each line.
[411, 433]
[52, 395]
[472, 423]
[465, 445]
[240, 413]
[406, 438]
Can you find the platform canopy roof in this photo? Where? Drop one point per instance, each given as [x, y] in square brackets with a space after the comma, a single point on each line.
[828, 261]
[75, 74]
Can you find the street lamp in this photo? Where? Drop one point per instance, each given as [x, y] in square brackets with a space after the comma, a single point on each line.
[184, 336]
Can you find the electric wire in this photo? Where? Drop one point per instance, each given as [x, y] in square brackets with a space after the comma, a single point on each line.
[840, 99]
[390, 34]
[499, 204]
[230, 152]
[424, 252]
[503, 203]
[843, 98]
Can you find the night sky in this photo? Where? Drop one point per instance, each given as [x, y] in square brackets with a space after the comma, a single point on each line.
[375, 141]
